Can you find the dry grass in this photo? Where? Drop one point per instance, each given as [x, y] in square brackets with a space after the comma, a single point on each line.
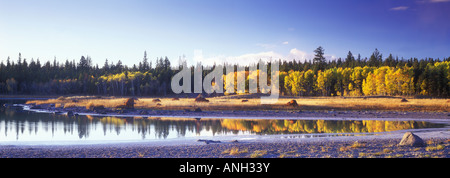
[387, 150]
[344, 148]
[258, 154]
[235, 151]
[320, 103]
[358, 145]
[91, 105]
[433, 148]
[337, 103]
[224, 103]
[354, 145]
[434, 145]
[68, 103]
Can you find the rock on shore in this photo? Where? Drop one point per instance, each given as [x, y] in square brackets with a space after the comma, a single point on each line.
[411, 140]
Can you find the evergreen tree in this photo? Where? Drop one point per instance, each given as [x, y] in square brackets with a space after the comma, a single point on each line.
[106, 66]
[145, 64]
[349, 60]
[375, 59]
[319, 59]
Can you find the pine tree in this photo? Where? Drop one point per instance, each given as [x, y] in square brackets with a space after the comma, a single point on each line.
[349, 60]
[319, 59]
[106, 66]
[145, 64]
[375, 59]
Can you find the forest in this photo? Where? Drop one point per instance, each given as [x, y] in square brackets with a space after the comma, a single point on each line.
[352, 76]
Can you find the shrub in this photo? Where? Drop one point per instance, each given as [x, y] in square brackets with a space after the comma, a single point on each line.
[156, 100]
[200, 98]
[292, 103]
[130, 103]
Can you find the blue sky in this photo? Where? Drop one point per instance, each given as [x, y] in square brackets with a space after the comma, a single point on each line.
[236, 31]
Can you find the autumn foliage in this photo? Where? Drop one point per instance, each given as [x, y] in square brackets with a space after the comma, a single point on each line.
[318, 77]
[367, 81]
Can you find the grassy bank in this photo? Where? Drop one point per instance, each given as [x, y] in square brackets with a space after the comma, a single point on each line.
[226, 103]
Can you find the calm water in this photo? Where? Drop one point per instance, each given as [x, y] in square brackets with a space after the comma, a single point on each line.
[23, 126]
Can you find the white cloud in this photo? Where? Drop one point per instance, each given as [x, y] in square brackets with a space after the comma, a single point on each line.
[244, 59]
[400, 8]
[330, 57]
[286, 42]
[252, 58]
[299, 55]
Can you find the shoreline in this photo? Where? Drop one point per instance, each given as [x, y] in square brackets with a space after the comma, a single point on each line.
[205, 111]
[235, 107]
[267, 114]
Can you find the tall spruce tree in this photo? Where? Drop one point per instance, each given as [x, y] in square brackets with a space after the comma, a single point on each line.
[319, 59]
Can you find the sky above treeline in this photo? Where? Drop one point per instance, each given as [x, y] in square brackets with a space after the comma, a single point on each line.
[236, 31]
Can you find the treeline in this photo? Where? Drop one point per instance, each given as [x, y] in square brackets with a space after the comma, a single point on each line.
[83, 78]
[365, 77]
[352, 76]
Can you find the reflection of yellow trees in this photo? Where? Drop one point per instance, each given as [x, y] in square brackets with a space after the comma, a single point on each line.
[233, 125]
[112, 121]
[321, 126]
[246, 125]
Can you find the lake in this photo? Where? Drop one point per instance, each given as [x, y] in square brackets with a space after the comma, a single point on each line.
[18, 126]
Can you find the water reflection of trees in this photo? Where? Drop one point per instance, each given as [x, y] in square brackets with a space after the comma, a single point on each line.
[160, 128]
[322, 126]
[18, 122]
